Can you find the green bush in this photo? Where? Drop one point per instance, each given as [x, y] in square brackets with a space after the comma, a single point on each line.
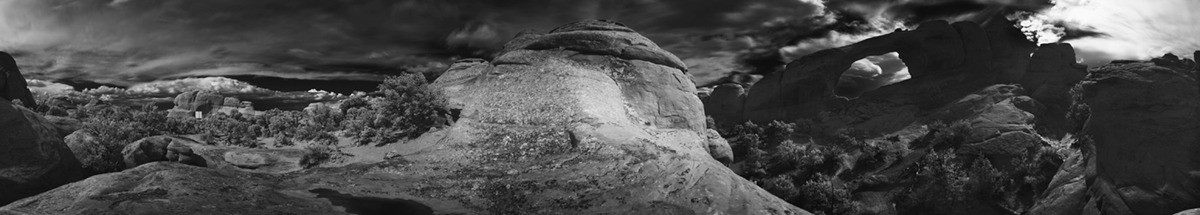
[941, 184]
[825, 194]
[318, 154]
[407, 109]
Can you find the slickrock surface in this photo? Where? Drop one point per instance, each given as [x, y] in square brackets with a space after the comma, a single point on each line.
[591, 118]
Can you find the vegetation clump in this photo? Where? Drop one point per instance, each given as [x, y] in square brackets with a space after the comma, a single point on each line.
[827, 170]
[402, 107]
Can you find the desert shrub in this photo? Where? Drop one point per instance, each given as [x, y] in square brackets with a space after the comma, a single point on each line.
[408, 108]
[231, 131]
[324, 118]
[781, 186]
[941, 182]
[744, 139]
[825, 194]
[353, 102]
[318, 154]
[59, 104]
[279, 122]
[113, 127]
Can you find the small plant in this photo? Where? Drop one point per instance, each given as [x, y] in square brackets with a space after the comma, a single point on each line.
[318, 154]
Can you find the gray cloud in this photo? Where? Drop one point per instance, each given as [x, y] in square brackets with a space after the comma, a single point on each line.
[134, 41]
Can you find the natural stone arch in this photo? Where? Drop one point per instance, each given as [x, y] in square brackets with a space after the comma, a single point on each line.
[934, 49]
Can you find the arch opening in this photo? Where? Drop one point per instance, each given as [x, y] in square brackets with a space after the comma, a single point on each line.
[871, 73]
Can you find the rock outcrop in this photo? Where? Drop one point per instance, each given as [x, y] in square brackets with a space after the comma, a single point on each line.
[1001, 122]
[946, 62]
[207, 102]
[64, 125]
[186, 150]
[174, 188]
[91, 153]
[12, 83]
[1139, 144]
[160, 148]
[33, 157]
[590, 118]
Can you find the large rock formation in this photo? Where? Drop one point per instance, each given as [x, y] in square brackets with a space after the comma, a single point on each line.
[1002, 125]
[1139, 151]
[946, 61]
[12, 83]
[33, 157]
[591, 118]
[207, 102]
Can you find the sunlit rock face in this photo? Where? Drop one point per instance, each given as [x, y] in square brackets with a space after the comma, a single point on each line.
[1140, 144]
[591, 118]
[599, 94]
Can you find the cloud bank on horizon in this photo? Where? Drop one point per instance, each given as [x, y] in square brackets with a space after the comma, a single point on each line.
[126, 42]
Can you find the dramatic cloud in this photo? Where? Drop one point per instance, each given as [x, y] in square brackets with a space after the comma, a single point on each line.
[131, 41]
[126, 42]
[1134, 30]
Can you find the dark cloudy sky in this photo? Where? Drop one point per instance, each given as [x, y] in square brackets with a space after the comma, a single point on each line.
[132, 41]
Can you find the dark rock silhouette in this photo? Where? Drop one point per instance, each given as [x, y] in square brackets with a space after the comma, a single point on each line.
[12, 83]
[1138, 143]
[946, 61]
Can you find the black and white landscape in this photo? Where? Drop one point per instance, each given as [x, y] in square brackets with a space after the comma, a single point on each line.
[1008, 107]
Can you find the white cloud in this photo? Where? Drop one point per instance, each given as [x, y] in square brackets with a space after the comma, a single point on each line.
[1135, 30]
[220, 84]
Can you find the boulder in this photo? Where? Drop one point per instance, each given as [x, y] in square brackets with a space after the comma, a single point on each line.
[1194, 211]
[186, 150]
[1142, 122]
[725, 102]
[161, 148]
[232, 102]
[273, 161]
[33, 157]
[591, 118]
[719, 148]
[64, 125]
[91, 153]
[12, 83]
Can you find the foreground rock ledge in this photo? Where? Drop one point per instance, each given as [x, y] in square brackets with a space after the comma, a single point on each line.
[1138, 152]
[591, 118]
